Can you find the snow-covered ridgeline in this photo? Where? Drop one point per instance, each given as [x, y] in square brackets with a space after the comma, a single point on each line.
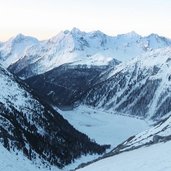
[75, 46]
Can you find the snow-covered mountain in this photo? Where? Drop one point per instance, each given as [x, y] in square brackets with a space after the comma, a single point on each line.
[13, 49]
[135, 87]
[140, 87]
[31, 128]
[148, 151]
[77, 47]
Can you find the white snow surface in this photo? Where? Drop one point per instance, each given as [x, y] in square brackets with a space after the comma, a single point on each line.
[152, 158]
[104, 127]
[9, 161]
[162, 130]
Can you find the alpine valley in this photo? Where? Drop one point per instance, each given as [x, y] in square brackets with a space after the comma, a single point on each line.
[85, 101]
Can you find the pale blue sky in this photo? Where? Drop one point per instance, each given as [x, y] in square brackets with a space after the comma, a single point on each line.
[45, 18]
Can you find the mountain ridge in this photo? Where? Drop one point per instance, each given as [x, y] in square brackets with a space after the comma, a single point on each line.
[90, 48]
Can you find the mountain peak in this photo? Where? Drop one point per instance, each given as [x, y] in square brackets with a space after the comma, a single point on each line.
[132, 34]
[75, 30]
[98, 33]
[17, 37]
[21, 37]
[154, 35]
[129, 34]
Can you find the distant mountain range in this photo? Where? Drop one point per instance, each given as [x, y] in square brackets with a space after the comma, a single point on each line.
[28, 55]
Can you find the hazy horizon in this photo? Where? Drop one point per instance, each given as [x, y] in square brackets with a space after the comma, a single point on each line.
[44, 19]
[13, 36]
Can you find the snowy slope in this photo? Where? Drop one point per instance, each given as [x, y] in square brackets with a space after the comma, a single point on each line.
[141, 87]
[152, 158]
[93, 48]
[148, 150]
[12, 50]
[159, 133]
[12, 162]
[28, 125]
[103, 127]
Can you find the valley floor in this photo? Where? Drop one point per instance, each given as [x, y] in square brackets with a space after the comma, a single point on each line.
[153, 158]
[104, 127]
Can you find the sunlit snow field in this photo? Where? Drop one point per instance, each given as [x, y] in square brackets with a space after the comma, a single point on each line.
[153, 158]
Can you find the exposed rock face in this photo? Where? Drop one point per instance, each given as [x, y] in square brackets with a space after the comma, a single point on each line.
[67, 84]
